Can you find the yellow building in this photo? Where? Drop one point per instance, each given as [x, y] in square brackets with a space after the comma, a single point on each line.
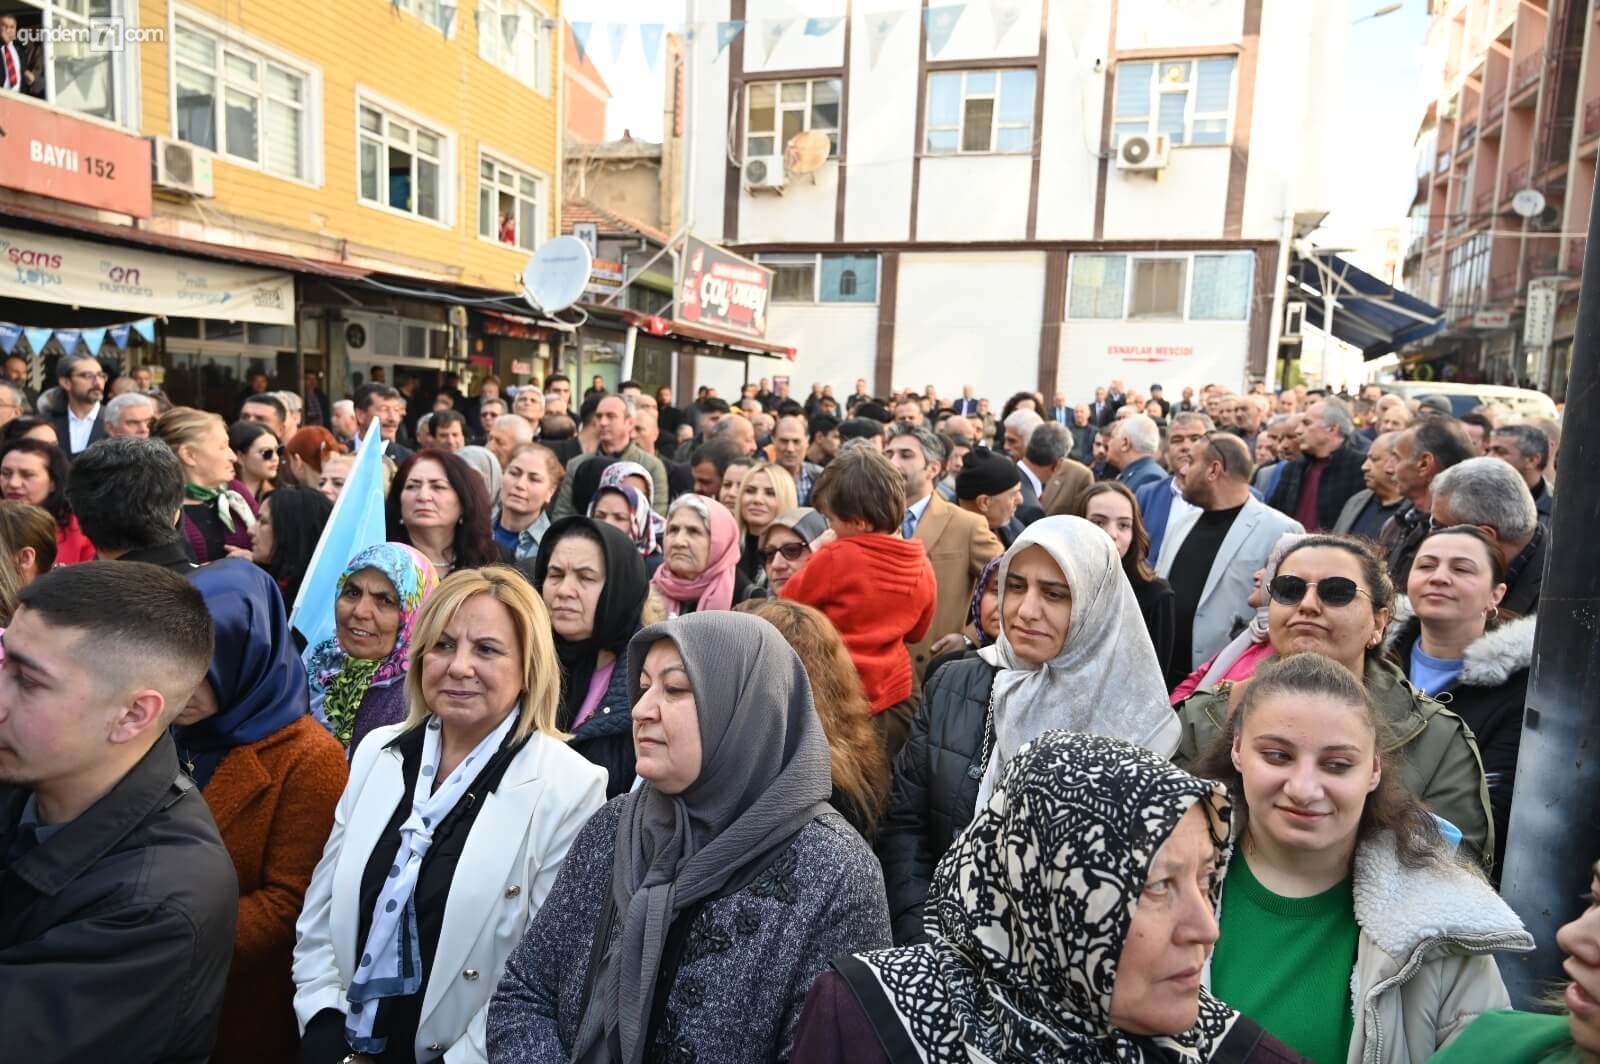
[398, 158]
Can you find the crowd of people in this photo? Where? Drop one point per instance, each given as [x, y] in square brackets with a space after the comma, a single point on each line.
[875, 729]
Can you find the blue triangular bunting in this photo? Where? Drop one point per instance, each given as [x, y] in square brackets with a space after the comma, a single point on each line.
[821, 27]
[727, 32]
[92, 339]
[9, 335]
[941, 22]
[617, 33]
[650, 41]
[37, 338]
[119, 336]
[145, 327]
[68, 339]
[580, 38]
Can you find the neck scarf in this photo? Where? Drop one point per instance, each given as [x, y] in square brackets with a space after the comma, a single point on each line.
[1257, 632]
[1106, 679]
[712, 589]
[338, 681]
[227, 502]
[981, 588]
[391, 960]
[259, 681]
[1021, 967]
[616, 611]
[765, 773]
[613, 476]
[640, 514]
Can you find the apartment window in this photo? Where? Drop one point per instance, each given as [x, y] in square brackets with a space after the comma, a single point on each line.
[511, 205]
[1200, 287]
[236, 101]
[517, 36]
[1190, 100]
[84, 74]
[823, 278]
[980, 111]
[436, 13]
[774, 111]
[402, 164]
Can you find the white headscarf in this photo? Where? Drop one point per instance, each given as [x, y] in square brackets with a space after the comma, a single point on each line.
[1106, 680]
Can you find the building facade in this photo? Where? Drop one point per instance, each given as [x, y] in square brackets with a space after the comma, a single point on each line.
[388, 162]
[1039, 194]
[1517, 111]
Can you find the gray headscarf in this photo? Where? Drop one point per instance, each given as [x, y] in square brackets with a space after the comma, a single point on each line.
[488, 466]
[765, 773]
[1106, 680]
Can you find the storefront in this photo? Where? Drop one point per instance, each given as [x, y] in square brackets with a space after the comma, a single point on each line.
[515, 348]
[620, 345]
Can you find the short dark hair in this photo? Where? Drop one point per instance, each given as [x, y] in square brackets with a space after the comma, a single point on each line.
[1233, 454]
[719, 452]
[590, 407]
[474, 539]
[874, 411]
[67, 363]
[56, 464]
[446, 418]
[1445, 439]
[556, 378]
[821, 425]
[145, 624]
[19, 427]
[625, 385]
[126, 492]
[1480, 420]
[715, 405]
[791, 408]
[860, 428]
[1049, 444]
[369, 391]
[268, 399]
[862, 485]
[242, 435]
[1531, 441]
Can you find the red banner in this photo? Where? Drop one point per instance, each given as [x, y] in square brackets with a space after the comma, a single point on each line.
[722, 290]
[66, 158]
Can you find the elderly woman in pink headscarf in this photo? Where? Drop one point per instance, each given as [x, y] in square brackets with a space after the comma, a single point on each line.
[702, 558]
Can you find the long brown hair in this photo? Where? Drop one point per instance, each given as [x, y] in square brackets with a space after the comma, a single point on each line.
[1134, 563]
[1390, 808]
[860, 767]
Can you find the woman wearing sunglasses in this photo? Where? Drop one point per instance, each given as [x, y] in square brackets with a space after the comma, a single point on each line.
[1332, 597]
[786, 543]
[258, 454]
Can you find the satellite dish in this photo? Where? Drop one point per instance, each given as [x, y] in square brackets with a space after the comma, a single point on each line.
[1528, 202]
[557, 274]
[806, 152]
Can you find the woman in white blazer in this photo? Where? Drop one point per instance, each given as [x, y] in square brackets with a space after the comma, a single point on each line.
[447, 838]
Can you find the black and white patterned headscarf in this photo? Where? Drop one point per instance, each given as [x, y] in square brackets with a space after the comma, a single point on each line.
[1029, 910]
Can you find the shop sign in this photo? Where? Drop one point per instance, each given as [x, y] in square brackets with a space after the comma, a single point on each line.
[605, 277]
[77, 273]
[512, 329]
[54, 154]
[1499, 318]
[722, 290]
[521, 368]
[1539, 316]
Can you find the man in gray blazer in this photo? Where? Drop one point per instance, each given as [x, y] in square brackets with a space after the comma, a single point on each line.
[1210, 556]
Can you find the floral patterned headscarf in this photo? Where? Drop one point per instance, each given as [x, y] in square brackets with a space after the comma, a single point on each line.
[338, 681]
[613, 477]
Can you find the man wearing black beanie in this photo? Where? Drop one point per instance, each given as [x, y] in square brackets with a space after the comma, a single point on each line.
[990, 486]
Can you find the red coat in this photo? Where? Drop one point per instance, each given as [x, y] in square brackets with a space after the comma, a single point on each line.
[879, 592]
[273, 802]
[72, 546]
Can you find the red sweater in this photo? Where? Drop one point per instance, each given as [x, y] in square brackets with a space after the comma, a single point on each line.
[879, 591]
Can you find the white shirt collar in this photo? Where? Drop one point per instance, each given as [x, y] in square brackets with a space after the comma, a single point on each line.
[917, 509]
[1038, 485]
[94, 412]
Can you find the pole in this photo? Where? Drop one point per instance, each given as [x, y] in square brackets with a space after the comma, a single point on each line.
[1555, 820]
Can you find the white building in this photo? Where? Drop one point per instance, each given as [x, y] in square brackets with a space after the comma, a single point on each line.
[974, 221]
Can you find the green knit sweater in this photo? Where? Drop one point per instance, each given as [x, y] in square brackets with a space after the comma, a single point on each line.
[1286, 962]
[1512, 1038]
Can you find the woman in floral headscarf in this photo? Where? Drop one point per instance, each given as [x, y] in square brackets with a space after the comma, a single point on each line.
[627, 509]
[358, 675]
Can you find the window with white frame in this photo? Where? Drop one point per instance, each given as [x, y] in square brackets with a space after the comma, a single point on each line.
[774, 111]
[511, 205]
[80, 69]
[518, 37]
[1203, 286]
[402, 164]
[1190, 100]
[437, 13]
[823, 278]
[980, 111]
[231, 99]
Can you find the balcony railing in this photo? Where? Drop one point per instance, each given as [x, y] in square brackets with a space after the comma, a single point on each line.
[1575, 250]
[1467, 138]
[1441, 165]
[1516, 179]
[1503, 285]
[1542, 264]
[1526, 72]
[1494, 108]
[1483, 203]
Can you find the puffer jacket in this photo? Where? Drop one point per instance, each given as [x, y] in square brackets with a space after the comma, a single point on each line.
[606, 738]
[1439, 759]
[935, 789]
[1490, 695]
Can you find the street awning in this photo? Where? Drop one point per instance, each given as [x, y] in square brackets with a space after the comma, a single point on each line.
[1365, 312]
[732, 345]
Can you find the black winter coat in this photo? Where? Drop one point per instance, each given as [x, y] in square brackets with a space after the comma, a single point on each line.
[935, 788]
[116, 933]
[1340, 480]
[606, 738]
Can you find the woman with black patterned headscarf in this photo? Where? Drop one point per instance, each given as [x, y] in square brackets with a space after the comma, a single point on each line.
[1071, 922]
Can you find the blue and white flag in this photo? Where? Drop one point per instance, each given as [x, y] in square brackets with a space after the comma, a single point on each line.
[9, 335]
[357, 522]
[92, 339]
[119, 336]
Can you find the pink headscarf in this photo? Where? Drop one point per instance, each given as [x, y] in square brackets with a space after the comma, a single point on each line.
[713, 588]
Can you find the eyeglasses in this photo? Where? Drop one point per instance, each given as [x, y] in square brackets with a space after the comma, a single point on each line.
[792, 552]
[1332, 591]
[269, 452]
[85, 375]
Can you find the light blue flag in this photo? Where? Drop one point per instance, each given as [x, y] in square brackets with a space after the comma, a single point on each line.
[92, 339]
[119, 336]
[146, 327]
[37, 338]
[580, 38]
[617, 33]
[942, 25]
[821, 27]
[726, 33]
[68, 339]
[357, 522]
[650, 41]
[9, 335]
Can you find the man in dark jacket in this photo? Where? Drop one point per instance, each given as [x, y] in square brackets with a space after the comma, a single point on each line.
[127, 494]
[1489, 494]
[118, 902]
[1315, 486]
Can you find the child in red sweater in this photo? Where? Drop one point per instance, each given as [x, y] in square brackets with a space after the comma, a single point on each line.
[877, 588]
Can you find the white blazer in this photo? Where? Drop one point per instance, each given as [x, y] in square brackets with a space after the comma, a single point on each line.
[516, 846]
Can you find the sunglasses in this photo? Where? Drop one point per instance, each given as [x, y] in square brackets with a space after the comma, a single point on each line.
[1332, 591]
[792, 552]
[267, 453]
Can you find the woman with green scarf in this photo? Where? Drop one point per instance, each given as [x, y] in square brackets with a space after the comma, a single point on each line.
[218, 510]
[358, 676]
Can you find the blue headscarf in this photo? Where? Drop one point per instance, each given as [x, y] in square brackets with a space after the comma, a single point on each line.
[255, 671]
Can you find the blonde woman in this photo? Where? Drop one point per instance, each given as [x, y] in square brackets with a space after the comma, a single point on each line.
[766, 491]
[27, 551]
[218, 510]
[447, 838]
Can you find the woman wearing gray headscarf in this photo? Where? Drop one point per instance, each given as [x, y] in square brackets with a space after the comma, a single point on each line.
[1074, 653]
[692, 914]
[487, 466]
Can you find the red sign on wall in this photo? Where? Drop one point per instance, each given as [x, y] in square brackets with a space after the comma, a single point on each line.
[722, 290]
[56, 155]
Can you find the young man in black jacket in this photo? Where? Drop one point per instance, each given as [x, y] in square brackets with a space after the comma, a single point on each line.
[118, 902]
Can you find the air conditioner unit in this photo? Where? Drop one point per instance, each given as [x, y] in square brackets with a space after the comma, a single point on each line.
[183, 168]
[357, 333]
[1547, 220]
[1294, 321]
[1142, 151]
[765, 172]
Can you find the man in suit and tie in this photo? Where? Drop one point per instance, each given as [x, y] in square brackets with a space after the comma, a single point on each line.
[1211, 557]
[1061, 413]
[966, 406]
[21, 65]
[388, 406]
[83, 383]
[1100, 410]
[959, 544]
[1161, 502]
[1060, 479]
